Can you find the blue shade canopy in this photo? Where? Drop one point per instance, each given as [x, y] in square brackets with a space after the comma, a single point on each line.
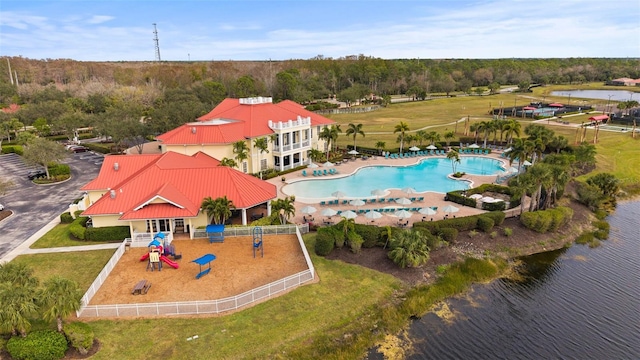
[204, 259]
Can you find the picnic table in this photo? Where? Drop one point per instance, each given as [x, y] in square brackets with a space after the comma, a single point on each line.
[141, 288]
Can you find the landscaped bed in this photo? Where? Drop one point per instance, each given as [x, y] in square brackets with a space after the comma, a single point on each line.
[234, 271]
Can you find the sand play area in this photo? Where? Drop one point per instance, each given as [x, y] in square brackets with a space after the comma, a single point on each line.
[233, 272]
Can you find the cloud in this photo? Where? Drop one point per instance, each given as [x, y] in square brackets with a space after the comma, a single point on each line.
[238, 27]
[99, 19]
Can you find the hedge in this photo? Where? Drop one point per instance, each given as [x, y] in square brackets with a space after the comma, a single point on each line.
[458, 198]
[77, 230]
[66, 218]
[12, 149]
[80, 336]
[108, 233]
[371, 235]
[547, 220]
[494, 206]
[496, 216]
[325, 241]
[485, 223]
[41, 345]
[448, 234]
[59, 169]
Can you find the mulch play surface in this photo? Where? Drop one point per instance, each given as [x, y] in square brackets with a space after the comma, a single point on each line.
[233, 272]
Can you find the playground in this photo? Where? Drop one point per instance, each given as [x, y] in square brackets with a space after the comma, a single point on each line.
[234, 270]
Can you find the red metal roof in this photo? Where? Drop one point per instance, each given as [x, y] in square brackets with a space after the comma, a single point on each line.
[556, 105]
[599, 118]
[232, 120]
[529, 108]
[174, 186]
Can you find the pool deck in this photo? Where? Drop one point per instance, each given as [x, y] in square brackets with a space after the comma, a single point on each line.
[349, 167]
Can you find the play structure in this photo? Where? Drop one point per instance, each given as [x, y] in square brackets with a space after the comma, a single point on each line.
[158, 252]
[257, 241]
[215, 233]
[205, 259]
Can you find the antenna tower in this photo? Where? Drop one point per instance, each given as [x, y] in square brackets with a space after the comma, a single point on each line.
[157, 42]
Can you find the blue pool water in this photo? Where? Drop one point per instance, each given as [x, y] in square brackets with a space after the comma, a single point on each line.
[428, 175]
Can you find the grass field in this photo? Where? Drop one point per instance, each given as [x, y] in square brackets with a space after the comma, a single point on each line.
[60, 236]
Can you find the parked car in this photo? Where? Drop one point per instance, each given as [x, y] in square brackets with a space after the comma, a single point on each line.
[36, 174]
[78, 148]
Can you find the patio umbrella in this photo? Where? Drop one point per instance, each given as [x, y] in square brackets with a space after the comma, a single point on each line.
[328, 164]
[414, 148]
[353, 152]
[508, 149]
[450, 209]
[433, 147]
[356, 202]
[373, 215]
[403, 214]
[512, 170]
[526, 163]
[349, 214]
[409, 190]
[328, 212]
[474, 146]
[312, 166]
[308, 210]
[403, 201]
[338, 194]
[427, 211]
[475, 196]
[378, 192]
[487, 199]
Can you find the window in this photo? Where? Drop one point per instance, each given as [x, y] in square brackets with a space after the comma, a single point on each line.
[263, 164]
[244, 167]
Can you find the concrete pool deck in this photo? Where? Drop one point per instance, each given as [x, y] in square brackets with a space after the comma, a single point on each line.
[349, 167]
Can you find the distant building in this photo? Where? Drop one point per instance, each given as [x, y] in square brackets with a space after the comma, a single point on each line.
[624, 82]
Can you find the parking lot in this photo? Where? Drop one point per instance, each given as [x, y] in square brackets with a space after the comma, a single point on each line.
[33, 205]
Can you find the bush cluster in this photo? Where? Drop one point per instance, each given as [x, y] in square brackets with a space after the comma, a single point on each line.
[41, 345]
[107, 233]
[59, 169]
[485, 223]
[448, 234]
[80, 336]
[355, 241]
[372, 235]
[547, 220]
[458, 198]
[494, 206]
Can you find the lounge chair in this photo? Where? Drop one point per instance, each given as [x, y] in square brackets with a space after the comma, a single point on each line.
[324, 172]
[345, 202]
[323, 203]
[421, 198]
[304, 172]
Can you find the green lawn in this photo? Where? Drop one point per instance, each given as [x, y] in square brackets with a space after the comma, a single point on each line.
[60, 236]
[80, 266]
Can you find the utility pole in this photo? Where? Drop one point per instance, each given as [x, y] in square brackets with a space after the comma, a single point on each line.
[157, 42]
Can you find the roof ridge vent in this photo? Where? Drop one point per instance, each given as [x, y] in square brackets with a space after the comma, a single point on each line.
[112, 194]
[193, 129]
[256, 100]
[116, 166]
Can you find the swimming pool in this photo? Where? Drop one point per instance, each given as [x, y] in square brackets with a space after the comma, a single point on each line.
[428, 175]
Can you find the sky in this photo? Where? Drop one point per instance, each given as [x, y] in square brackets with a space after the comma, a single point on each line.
[115, 30]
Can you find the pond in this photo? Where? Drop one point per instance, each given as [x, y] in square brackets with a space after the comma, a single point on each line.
[616, 95]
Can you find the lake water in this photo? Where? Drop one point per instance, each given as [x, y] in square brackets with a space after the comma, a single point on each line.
[576, 303]
[616, 95]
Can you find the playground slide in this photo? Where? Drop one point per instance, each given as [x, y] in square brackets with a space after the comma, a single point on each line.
[168, 261]
[144, 257]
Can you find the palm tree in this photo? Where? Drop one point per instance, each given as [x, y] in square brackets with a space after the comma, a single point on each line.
[487, 128]
[521, 187]
[354, 130]
[284, 208]
[560, 176]
[454, 157]
[17, 289]
[421, 135]
[402, 128]
[218, 210]
[208, 205]
[409, 248]
[262, 144]
[538, 149]
[448, 136]
[315, 155]
[60, 297]
[241, 150]
[512, 128]
[433, 137]
[325, 134]
[539, 175]
[380, 145]
[335, 131]
[228, 162]
[475, 128]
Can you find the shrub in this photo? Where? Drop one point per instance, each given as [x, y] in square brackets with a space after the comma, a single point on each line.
[485, 223]
[80, 336]
[355, 241]
[496, 216]
[494, 234]
[41, 345]
[370, 234]
[77, 230]
[494, 206]
[448, 234]
[600, 214]
[507, 232]
[585, 238]
[59, 169]
[324, 241]
[66, 218]
[602, 225]
[458, 198]
[473, 233]
[601, 234]
[107, 233]
[538, 221]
